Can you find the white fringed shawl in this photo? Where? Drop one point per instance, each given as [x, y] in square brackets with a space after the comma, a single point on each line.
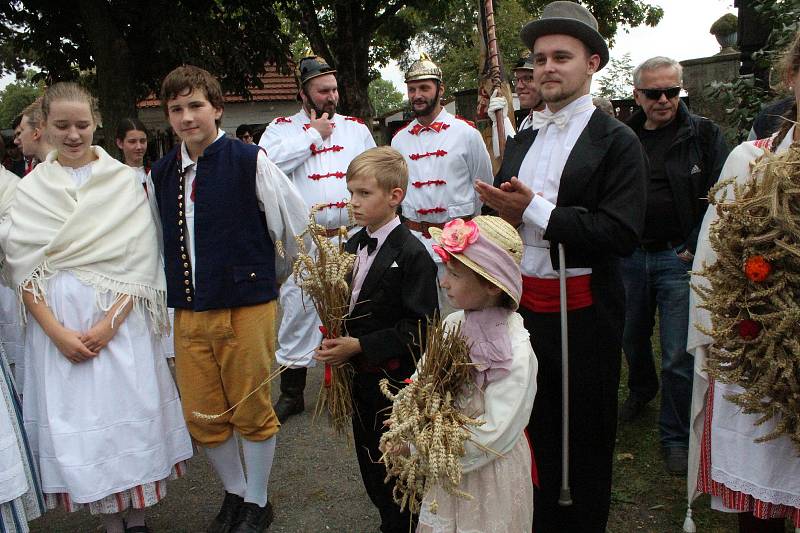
[102, 232]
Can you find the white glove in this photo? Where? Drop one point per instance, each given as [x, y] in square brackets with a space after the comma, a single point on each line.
[496, 103]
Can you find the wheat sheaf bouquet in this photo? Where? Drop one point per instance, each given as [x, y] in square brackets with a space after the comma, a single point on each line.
[424, 416]
[753, 295]
[323, 273]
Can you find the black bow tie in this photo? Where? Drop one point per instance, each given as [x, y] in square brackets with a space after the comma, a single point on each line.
[370, 242]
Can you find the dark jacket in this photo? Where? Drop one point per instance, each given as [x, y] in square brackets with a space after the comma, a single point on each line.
[599, 213]
[692, 164]
[234, 255]
[399, 294]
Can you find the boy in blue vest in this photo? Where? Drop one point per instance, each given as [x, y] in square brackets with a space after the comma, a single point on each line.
[223, 207]
[394, 292]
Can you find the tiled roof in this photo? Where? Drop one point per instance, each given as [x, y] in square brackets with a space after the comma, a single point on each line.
[278, 87]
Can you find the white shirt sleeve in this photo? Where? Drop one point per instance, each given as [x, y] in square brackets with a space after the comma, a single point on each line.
[285, 211]
[288, 150]
[538, 212]
[507, 408]
[151, 199]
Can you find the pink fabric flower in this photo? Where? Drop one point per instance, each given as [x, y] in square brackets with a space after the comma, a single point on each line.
[441, 252]
[457, 235]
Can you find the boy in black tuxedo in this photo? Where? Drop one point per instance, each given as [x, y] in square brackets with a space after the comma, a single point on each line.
[393, 295]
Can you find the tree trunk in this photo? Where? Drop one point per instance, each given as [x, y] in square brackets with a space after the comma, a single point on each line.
[114, 69]
[352, 60]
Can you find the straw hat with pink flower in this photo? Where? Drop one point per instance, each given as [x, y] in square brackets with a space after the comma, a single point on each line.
[488, 245]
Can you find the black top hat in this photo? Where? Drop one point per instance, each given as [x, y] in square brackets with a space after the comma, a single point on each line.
[312, 66]
[567, 18]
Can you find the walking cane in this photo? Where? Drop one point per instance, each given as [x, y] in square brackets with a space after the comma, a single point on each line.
[565, 496]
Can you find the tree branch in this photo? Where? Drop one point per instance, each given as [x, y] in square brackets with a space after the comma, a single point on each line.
[312, 29]
[388, 13]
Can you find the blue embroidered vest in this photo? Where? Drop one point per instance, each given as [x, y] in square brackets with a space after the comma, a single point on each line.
[234, 255]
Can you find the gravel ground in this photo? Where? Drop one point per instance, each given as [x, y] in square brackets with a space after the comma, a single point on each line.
[315, 487]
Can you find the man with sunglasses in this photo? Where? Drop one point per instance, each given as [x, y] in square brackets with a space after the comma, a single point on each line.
[686, 153]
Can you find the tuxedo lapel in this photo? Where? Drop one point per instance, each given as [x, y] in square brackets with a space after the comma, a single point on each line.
[516, 149]
[386, 256]
[583, 160]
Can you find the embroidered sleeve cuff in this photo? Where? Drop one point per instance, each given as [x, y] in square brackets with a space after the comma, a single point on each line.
[538, 212]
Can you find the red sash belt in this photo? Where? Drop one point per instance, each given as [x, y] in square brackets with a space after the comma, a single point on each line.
[541, 295]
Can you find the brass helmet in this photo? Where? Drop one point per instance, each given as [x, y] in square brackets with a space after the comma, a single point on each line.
[423, 69]
[311, 67]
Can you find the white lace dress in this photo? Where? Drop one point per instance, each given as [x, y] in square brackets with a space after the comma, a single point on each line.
[107, 432]
[501, 487]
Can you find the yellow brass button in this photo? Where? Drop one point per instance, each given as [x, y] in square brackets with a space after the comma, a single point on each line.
[185, 272]
[252, 275]
[186, 265]
[180, 197]
[188, 291]
[188, 298]
[186, 282]
[180, 222]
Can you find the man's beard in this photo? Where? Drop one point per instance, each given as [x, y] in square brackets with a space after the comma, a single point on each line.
[330, 109]
[430, 105]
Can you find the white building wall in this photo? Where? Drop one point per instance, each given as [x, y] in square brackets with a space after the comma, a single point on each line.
[234, 115]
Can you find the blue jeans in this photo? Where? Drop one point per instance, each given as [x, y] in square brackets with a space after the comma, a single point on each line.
[659, 280]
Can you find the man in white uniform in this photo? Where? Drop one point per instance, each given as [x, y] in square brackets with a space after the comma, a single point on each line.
[445, 155]
[313, 147]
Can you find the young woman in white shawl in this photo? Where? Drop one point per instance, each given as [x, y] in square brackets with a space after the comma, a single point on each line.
[759, 481]
[100, 407]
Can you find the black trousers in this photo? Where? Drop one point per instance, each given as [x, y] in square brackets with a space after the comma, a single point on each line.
[594, 366]
[371, 408]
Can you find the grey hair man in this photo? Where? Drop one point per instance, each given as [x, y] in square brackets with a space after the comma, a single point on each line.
[686, 153]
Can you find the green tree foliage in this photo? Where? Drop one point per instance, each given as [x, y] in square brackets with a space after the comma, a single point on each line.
[617, 78]
[451, 37]
[383, 96]
[130, 46]
[357, 35]
[17, 96]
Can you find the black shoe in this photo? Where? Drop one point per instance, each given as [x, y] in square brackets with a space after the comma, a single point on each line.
[138, 529]
[676, 460]
[253, 519]
[227, 516]
[631, 409]
[291, 402]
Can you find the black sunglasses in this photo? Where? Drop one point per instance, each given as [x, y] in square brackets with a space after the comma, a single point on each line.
[655, 94]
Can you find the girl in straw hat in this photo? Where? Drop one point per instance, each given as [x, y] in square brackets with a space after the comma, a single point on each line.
[482, 277]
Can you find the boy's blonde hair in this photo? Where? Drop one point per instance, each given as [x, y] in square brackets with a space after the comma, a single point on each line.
[386, 164]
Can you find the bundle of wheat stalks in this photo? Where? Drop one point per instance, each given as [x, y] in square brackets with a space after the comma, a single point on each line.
[754, 293]
[424, 416]
[322, 274]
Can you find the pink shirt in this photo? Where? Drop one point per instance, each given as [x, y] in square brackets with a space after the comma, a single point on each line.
[364, 260]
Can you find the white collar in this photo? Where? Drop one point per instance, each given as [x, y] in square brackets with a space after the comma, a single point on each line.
[186, 161]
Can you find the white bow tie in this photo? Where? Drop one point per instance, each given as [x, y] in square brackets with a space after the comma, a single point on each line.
[540, 119]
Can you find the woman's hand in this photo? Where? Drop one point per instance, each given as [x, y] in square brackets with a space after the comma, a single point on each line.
[99, 335]
[71, 345]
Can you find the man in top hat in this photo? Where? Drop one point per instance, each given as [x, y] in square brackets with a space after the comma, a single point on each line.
[445, 155]
[575, 178]
[313, 147]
